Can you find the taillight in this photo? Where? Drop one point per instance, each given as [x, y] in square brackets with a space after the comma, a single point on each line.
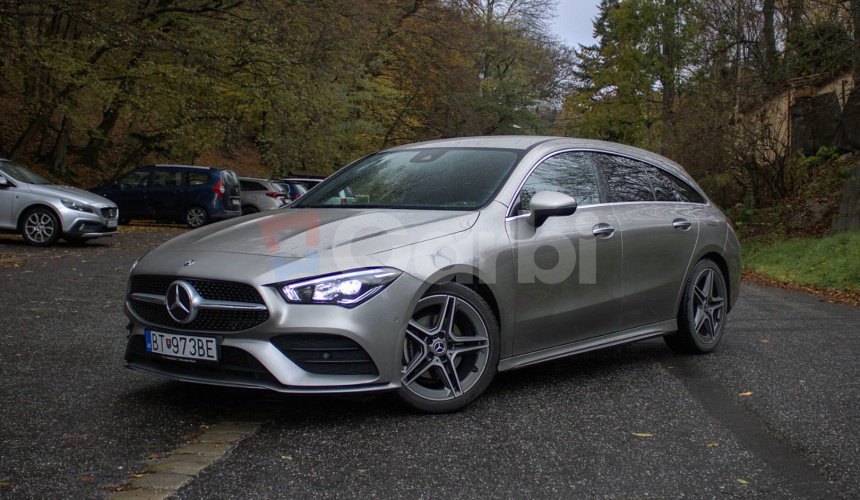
[729, 221]
[219, 190]
[273, 194]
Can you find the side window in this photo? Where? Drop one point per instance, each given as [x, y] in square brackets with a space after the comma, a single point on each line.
[251, 186]
[166, 178]
[134, 180]
[568, 173]
[197, 178]
[626, 179]
[667, 187]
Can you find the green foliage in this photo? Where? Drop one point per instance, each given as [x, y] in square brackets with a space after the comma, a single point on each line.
[830, 262]
[308, 85]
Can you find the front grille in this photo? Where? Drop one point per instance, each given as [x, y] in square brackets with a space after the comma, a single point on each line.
[326, 354]
[109, 213]
[234, 363]
[207, 319]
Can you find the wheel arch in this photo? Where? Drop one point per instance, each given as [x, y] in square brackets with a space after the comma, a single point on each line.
[27, 210]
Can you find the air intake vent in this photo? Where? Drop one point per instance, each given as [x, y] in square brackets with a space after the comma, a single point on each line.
[326, 354]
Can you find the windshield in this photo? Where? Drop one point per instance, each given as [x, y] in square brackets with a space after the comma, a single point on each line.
[22, 174]
[433, 179]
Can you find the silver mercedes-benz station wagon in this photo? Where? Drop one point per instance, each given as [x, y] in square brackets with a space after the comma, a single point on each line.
[427, 268]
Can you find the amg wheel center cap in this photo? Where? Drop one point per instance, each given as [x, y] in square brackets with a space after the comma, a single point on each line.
[181, 302]
[439, 347]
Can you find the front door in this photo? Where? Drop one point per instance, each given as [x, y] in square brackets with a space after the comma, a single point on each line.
[568, 283]
[130, 194]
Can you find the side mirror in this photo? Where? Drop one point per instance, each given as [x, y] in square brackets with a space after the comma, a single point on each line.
[4, 182]
[545, 204]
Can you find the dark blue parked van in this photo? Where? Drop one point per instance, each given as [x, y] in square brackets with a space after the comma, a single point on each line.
[194, 195]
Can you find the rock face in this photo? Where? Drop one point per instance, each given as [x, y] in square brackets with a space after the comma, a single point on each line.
[814, 211]
[848, 217]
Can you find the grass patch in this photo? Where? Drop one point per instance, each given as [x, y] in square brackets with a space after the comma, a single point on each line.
[831, 262]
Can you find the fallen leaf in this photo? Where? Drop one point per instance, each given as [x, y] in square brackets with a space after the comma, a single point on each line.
[285, 457]
[743, 481]
[204, 426]
[643, 434]
[86, 479]
[803, 381]
[137, 475]
[764, 341]
[712, 445]
[750, 393]
[114, 401]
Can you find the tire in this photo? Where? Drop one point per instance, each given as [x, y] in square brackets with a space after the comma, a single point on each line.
[249, 210]
[702, 315]
[196, 217]
[443, 368]
[40, 227]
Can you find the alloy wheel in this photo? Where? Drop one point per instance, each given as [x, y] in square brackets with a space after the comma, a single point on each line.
[708, 305]
[39, 227]
[447, 348]
[195, 217]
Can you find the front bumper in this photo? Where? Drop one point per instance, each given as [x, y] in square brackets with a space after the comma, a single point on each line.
[85, 225]
[377, 326]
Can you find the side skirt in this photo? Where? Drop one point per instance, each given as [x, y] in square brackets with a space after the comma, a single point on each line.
[613, 339]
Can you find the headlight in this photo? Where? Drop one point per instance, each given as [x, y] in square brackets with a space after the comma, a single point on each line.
[133, 266]
[346, 289]
[74, 205]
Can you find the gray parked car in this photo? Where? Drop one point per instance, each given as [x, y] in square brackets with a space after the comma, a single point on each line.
[262, 194]
[43, 211]
[427, 268]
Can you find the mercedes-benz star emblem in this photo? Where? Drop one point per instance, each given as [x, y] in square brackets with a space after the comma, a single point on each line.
[182, 301]
[439, 347]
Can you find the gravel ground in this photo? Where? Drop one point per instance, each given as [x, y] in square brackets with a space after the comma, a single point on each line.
[633, 421]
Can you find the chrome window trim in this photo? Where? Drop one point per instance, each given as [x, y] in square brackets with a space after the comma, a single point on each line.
[519, 189]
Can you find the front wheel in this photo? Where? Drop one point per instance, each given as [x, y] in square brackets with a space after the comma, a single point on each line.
[196, 217]
[41, 227]
[451, 352]
[702, 316]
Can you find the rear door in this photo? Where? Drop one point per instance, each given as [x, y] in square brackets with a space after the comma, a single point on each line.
[568, 284]
[659, 237]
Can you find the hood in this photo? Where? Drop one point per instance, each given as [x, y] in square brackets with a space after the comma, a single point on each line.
[298, 233]
[70, 193]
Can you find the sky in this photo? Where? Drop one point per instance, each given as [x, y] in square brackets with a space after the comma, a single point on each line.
[573, 21]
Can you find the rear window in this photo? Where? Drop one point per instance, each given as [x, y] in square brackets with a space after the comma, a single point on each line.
[229, 177]
[626, 179]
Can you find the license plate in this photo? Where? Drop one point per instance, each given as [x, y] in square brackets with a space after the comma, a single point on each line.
[111, 223]
[182, 346]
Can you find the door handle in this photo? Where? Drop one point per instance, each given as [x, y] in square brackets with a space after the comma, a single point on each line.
[603, 230]
[682, 224]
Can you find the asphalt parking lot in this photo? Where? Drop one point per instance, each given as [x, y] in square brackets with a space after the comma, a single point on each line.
[773, 413]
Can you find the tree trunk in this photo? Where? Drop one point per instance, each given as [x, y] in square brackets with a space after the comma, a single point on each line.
[669, 67]
[855, 7]
[769, 11]
[59, 156]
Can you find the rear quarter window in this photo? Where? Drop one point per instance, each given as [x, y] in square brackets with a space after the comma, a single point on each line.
[197, 178]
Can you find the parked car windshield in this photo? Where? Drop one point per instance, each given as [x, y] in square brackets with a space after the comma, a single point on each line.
[22, 174]
[432, 178]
